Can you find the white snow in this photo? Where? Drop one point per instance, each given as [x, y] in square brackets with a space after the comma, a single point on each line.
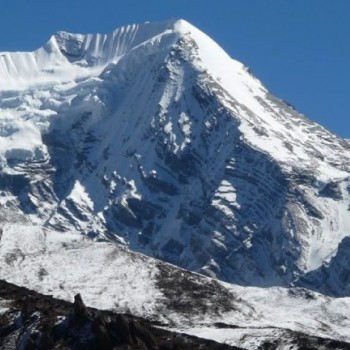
[63, 265]
[80, 196]
[4, 306]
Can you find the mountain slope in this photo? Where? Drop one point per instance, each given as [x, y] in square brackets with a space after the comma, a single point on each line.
[152, 136]
[109, 277]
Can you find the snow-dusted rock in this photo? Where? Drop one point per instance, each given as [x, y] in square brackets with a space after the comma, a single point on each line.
[111, 277]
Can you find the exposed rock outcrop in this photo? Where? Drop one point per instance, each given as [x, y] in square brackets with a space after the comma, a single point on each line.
[38, 322]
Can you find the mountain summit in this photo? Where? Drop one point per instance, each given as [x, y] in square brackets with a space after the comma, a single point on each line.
[153, 137]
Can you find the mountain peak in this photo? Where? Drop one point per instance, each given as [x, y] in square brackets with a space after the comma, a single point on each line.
[68, 55]
[156, 137]
[119, 41]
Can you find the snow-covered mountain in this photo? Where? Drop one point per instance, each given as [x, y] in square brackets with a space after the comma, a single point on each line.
[152, 136]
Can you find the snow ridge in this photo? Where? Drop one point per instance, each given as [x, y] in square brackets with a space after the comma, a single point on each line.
[69, 56]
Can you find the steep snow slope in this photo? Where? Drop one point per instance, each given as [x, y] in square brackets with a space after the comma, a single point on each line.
[154, 137]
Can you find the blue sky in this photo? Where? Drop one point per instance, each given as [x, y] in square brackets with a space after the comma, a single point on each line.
[300, 49]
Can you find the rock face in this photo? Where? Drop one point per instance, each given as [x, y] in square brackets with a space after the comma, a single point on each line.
[37, 322]
[153, 137]
[333, 277]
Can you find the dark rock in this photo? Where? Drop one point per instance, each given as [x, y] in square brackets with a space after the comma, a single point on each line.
[333, 278]
[331, 190]
[157, 185]
[46, 341]
[31, 343]
[83, 328]
[142, 335]
[102, 338]
[80, 312]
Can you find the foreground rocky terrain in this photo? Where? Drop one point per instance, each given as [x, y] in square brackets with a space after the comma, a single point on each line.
[112, 278]
[30, 320]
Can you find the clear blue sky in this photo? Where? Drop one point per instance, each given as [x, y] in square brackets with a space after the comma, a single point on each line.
[300, 49]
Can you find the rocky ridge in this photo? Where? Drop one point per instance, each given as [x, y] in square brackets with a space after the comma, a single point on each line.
[33, 321]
